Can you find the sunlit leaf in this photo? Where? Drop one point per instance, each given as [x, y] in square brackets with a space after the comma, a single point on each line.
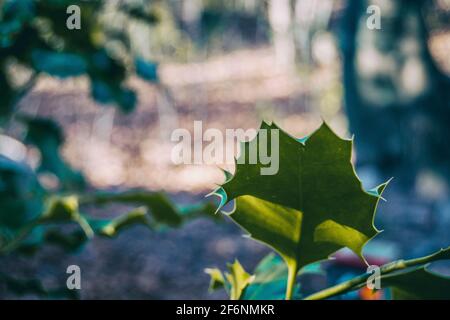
[312, 206]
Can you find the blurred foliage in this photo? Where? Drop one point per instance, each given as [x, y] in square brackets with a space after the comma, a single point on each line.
[31, 217]
[34, 37]
[112, 44]
[22, 287]
[404, 279]
[267, 283]
[33, 34]
[47, 137]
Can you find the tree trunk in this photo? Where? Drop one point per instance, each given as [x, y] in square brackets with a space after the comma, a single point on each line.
[280, 19]
[191, 14]
[396, 99]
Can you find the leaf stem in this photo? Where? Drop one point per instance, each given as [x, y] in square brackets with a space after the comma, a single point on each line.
[359, 281]
[22, 234]
[292, 276]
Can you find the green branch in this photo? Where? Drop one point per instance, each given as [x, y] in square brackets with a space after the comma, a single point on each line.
[386, 269]
[292, 276]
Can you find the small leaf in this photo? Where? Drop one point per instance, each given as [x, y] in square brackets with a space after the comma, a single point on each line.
[235, 282]
[271, 276]
[64, 210]
[127, 100]
[146, 70]
[61, 210]
[158, 204]
[238, 279]
[47, 136]
[217, 280]
[110, 228]
[101, 91]
[58, 64]
[269, 282]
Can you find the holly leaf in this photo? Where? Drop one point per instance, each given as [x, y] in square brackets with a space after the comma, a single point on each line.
[271, 276]
[47, 136]
[269, 279]
[163, 211]
[217, 280]
[235, 281]
[419, 283]
[65, 210]
[111, 227]
[312, 206]
[239, 280]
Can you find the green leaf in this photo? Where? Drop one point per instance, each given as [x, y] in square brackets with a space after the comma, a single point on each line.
[407, 278]
[47, 136]
[157, 203]
[107, 77]
[63, 210]
[239, 280]
[111, 228]
[69, 242]
[157, 212]
[6, 98]
[269, 279]
[217, 280]
[417, 284]
[235, 281]
[59, 64]
[162, 210]
[139, 13]
[271, 276]
[198, 210]
[146, 70]
[313, 206]
[21, 199]
[35, 287]
[443, 254]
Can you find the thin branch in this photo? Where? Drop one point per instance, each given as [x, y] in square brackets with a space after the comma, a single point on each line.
[360, 281]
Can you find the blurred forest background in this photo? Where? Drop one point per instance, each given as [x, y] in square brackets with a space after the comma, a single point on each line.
[136, 70]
